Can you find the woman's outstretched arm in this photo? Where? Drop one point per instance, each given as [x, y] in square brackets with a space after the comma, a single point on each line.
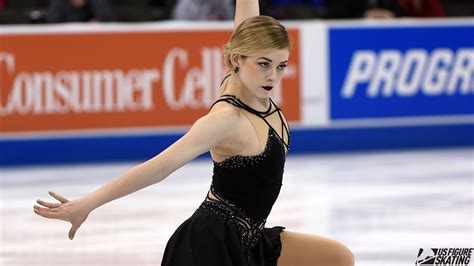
[206, 133]
[245, 9]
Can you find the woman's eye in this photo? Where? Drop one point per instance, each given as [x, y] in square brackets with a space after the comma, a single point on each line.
[263, 64]
[281, 67]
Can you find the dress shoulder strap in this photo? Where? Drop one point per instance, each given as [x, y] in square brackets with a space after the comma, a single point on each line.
[231, 99]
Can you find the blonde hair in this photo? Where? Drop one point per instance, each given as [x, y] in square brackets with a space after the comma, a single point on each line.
[255, 35]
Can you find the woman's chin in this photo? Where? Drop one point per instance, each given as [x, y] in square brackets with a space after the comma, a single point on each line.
[264, 95]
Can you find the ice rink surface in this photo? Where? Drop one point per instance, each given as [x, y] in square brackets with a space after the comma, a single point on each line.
[384, 206]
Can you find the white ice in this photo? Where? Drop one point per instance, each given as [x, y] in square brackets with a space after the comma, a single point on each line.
[384, 206]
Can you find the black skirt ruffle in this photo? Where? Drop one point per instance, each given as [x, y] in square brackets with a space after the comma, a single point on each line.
[206, 239]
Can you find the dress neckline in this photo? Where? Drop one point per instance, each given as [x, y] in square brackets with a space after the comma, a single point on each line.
[248, 106]
[232, 99]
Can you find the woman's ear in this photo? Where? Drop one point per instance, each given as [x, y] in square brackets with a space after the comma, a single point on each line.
[234, 59]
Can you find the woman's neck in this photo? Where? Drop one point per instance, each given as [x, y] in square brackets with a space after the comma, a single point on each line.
[238, 89]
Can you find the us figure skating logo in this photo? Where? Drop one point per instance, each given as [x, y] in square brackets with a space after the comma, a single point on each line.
[426, 256]
[444, 256]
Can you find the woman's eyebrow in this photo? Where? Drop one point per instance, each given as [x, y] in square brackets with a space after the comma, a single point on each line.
[271, 60]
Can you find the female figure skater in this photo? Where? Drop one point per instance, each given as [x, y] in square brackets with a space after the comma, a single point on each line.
[248, 138]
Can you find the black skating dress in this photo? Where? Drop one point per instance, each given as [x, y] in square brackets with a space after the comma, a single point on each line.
[228, 227]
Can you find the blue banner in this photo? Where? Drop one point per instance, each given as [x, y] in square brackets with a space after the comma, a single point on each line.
[401, 71]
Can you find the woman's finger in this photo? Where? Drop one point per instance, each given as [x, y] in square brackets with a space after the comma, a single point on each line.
[36, 207]
[48, 204]
[58, 197]
[45, 209]
[73, 230]
[46, 214]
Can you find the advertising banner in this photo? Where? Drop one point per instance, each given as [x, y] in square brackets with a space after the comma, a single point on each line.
[397, 71]
[108, 80]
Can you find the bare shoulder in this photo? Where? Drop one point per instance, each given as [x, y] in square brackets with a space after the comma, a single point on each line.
[226, 112]
[225, 118]
[218, 126]
[211, 130]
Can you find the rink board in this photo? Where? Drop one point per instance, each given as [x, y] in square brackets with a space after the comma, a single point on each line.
[310, 140]
[125, 92]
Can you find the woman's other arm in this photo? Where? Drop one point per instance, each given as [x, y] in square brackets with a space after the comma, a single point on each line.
[245, 9]
[206, 133]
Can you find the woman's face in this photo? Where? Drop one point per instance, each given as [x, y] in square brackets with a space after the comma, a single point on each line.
[261, 73]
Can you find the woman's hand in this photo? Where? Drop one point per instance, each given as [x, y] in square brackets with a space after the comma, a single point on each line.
[74, 211]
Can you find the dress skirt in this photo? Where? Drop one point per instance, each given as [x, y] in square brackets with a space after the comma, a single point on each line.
[207, 239]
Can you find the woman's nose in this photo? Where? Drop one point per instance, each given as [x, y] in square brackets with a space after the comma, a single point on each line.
[272, 75]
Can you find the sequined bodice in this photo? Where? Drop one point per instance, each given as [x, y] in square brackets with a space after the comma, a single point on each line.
[252, 182]
[244, 188]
